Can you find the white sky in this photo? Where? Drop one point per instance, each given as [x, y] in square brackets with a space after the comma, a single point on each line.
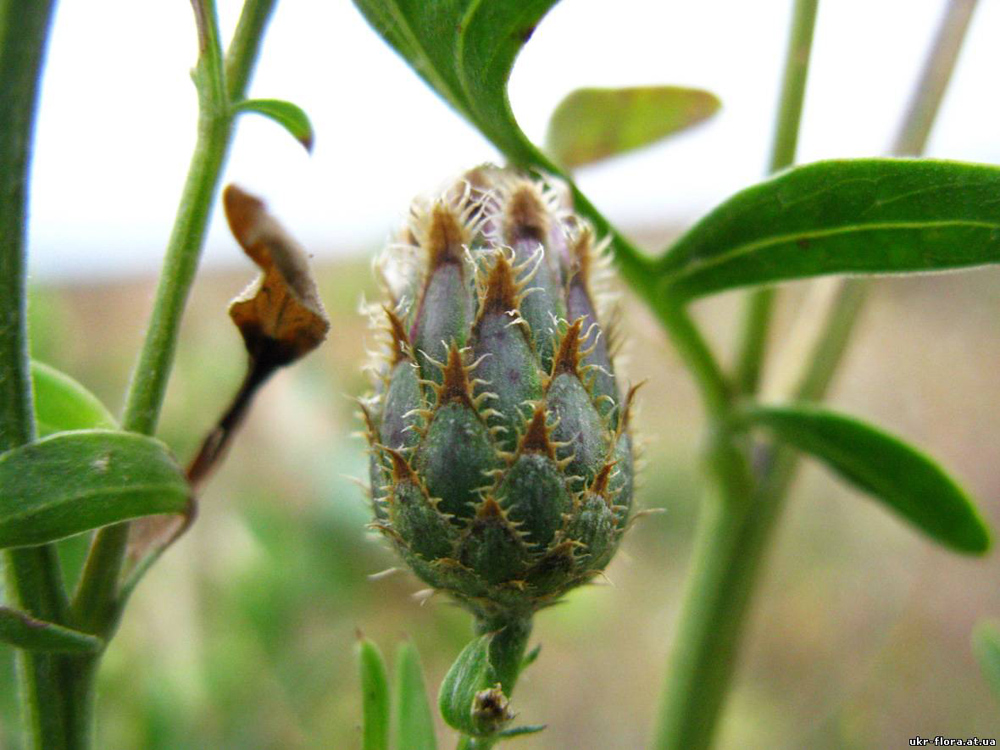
[118, 111]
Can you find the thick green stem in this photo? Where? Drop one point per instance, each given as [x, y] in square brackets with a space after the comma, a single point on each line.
[760, 304]
[719, 588]
[507, 648]
[734, 536]
[34, 581]
[506, 656]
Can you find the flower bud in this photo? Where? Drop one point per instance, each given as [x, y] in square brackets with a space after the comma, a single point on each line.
[501, 458]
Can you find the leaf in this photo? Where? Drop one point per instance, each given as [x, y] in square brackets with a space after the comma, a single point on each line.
[290, 116]
[986, 647]
[465, 50]
[531, 657]
[24, 631]
[521, 731]
[76, 481]
[281, 316]
[414, 722]
[374, 696]
[63, 404]
[592, 124]
[863, 216]
[470, 698]
[897, 474]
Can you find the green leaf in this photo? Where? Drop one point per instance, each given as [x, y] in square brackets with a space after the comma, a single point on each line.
[897, 474]
[24, 631]
[986, 647]
[468, 676]
[465, 50]
[290, 116]
[521, 731]
[63, 404]
[592, 124]
[531, 657]
[76, 481]
[864, 216]
[414, 722]
[374, 696]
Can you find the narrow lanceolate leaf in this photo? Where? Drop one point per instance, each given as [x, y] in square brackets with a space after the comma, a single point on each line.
[374, 697]
[864, 216]
[24, 631]
[592, 124]
[465, 50]
[62, 404]
[895, 473]
[289, 116]
[521, 731]
[414, 722]
[76, 481]
[986, 646]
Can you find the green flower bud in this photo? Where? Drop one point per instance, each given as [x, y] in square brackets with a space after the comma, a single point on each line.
[501, 459]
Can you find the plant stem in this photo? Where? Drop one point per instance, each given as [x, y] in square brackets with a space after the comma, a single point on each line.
[96, 599]
[934, 79]
[736, 521]
[34, 581]
[727, 560]
[732, 543]
[98, 604]
[506, 656]
[760, 304]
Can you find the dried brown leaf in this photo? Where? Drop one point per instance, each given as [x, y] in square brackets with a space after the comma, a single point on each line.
[280, 316]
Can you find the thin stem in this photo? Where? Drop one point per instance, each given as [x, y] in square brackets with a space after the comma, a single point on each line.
[96, 599]
[34, 581]
[938, 68]
[760, 305]
[244, 49]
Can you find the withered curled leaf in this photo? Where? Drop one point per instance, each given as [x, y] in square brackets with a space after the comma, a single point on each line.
[281, 319]
[280, 315]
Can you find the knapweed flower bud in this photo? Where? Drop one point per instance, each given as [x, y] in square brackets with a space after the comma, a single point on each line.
[501, 458]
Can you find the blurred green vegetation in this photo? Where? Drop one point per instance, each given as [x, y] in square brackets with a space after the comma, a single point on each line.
[242, 636]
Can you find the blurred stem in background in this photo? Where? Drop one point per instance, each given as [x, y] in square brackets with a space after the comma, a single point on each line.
[736, 526]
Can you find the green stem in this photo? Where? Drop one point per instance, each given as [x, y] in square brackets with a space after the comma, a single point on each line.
[34, 581]
[506, 656]
[734, 527]
[719, 587]
[734, 537]
[760, 304]
[96, 599]
[507, 648]
[98, 603]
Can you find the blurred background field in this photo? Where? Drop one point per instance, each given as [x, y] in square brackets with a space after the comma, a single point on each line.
[243, 635]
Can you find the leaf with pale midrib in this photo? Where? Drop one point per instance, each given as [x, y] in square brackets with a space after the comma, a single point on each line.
[75, 481]
[864, 216]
